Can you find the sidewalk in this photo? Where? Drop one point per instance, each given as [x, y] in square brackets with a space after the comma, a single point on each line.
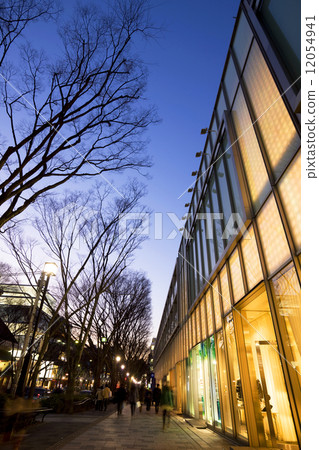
[143, 431]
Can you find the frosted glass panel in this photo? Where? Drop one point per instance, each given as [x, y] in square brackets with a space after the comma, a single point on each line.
[236, 276]
[272, 236]
[251, 258]
[218, 320]
[278, 133]
[290, 193]
[209, 307]
[255, 170]
[225, 290]
[203, 318]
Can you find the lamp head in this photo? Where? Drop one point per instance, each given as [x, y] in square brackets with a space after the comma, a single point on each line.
[50, 268]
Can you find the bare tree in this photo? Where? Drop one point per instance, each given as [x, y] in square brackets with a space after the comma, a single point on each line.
[16, 15]
[83, 114]
[121, 325]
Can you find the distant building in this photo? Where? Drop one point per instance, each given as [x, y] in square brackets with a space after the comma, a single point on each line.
[229, 339]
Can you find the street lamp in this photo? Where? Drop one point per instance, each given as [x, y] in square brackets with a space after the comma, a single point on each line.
[118, 358]
[122, 367]
[50, 269]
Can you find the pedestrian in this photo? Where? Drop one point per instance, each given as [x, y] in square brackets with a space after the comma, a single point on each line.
[141, 396]
[120, 396]
[132, 398]
[166, 403]
[148, 399]
[157, 397]
[106, 395]
[99, 397]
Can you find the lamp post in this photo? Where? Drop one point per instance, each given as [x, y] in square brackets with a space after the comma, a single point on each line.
[50, 268]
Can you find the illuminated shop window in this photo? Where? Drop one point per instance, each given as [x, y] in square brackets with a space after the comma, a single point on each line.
[203, 318]
[255, 170]
[272, 236]
[215, 291]
[236, 276]
[225, 290]
[290, 194]
[251, 258]
[209, 307]
[225, 391]
[236, 383]
[288, 299]
[275, 125]
[268, 387]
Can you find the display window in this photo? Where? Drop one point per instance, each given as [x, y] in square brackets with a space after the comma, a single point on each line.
[236, 383]
[224, 384]
[271, 404]
[287, 295]
[217, 421]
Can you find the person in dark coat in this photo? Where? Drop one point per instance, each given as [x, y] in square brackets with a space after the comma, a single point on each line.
[157, 397]
[120, 396]
[166, 403]
[132, 398]
[148, 399]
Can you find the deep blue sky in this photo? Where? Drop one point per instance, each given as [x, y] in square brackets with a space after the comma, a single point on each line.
[185, 67]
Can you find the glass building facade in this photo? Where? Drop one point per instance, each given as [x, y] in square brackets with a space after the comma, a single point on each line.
[229, 339]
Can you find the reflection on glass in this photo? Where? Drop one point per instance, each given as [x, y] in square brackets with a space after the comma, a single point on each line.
[236, 276]
[209, 232]
[207, 382]
[225, 290]
[290, 193]
[198, 383]
[278, 133]
[189, 384]
[230, 80]
[215, 291]
[217, 222]
[255, 170]
[288, 299]
[242, 40]
[272, 236]
[272, 408]
[221, 106]
[202, 224]
[224, 393]
[251, 258]
[236, 385]
[214, 384]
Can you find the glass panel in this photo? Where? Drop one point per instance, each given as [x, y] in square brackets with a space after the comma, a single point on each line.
[242, 40]
[230, 80]
[223, 187]
[236, 385]
[209, 231]
[209, 307]
[225, 290]
[272, 236]
[278, 133]
[251, 258]
[285, 34]
[198, 337]
[236, 276]
[190, 271]
[202, 224]
[208, 416]
[215, 291]
[217, 222]
[221, 107]
[222, 369]
[233, 181]
[194, 328]
[200, 270]
[272, 408]
[203, 318]
[255, 170]
[288, 300]
[214, 385]
[199, 383]
[290, 192]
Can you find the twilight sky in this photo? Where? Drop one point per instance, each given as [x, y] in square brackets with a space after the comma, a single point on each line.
[185, 65]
